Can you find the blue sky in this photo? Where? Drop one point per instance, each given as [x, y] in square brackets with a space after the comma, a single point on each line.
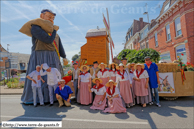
[74, 18]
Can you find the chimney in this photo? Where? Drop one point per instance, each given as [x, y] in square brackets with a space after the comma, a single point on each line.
[141, 19]
[141, 23]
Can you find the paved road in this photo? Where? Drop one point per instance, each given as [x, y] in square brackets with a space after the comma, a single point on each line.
[172, 114]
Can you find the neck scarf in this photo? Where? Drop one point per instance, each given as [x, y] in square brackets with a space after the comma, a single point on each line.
[82, 73]
[113, 91]
[113, 70]
[103, 71]
[121, 74]
[97, 88]
[142, 70]
[148, 64]
[60, 87]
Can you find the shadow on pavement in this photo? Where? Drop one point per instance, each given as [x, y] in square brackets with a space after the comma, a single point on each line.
[167, 109]
[42, 113]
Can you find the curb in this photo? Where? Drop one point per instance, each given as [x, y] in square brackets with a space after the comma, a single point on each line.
[10, 93]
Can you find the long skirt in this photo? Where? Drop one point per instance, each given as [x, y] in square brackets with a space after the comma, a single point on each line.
[142, 93]
[96, 104]
[113, 78]
[125, 91]
[38, 58]
[133, 91]
[104, 80]
[115, 106]
[85, 95]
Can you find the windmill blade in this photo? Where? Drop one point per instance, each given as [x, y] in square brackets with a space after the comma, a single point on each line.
[111, 41]
[105, 23]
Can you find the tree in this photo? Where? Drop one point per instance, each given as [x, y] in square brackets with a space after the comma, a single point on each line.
[76, 56]
[126, 53]
[138, 56]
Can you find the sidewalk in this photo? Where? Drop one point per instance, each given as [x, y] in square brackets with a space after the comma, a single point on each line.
[4, 90]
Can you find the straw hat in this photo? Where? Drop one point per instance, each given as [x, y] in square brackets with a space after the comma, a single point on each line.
[121, 64]
[142, 66]
[131, 64]
[108, 83]
[94, 80]
[81, 68]
[112, 64]
[99, 66]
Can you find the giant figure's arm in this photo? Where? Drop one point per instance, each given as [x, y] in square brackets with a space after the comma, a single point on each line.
[41, 35]
[61, 49]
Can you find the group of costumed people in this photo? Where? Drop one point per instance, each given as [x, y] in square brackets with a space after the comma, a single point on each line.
[116, 87]
[110, 90]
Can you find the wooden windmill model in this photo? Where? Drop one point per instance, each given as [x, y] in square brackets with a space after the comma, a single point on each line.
[97, 46]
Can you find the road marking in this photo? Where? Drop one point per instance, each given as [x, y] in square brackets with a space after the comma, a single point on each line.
[81, 120]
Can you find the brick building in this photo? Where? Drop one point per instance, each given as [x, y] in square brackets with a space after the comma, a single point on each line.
[133, 32]
[171, 33]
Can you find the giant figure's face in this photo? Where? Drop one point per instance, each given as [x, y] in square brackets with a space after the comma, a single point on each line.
[48, 16]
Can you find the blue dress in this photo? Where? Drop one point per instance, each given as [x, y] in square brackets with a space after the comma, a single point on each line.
[152, 75]
[64, 93]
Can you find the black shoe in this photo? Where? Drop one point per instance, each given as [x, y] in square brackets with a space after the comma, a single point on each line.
[51, 105]
[35, 105]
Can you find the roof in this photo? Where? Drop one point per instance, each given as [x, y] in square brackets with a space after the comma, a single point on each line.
[96, 32]
[2, 49]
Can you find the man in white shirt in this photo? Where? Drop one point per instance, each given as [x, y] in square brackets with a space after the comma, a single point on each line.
[53, 77]
[36, 79]
[74, 79]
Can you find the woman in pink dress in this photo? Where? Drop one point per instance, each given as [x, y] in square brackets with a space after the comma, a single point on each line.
[112, 71]
[125, 85]
[103, 73]
[131, 70]
[84, 81]
[99, 102]
[114, 99]
[142, 91]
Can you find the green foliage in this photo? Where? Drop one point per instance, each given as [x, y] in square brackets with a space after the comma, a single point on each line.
[141, 54]
[76, 56]
[126, 53]
[138, 56]
[14, 83]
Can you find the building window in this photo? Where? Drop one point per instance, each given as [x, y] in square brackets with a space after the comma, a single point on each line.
[181, 52]
[141, 35]
[145, 32]
[166, 6]
[168, 37]
[131, 31]
[165, 57]
[156, 40]
[178, 26]
[147, 45]
[14, 66]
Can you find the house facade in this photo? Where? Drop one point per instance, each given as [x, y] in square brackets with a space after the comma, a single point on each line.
[171, 33]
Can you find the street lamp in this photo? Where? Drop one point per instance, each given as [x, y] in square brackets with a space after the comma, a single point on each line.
[146, 12]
